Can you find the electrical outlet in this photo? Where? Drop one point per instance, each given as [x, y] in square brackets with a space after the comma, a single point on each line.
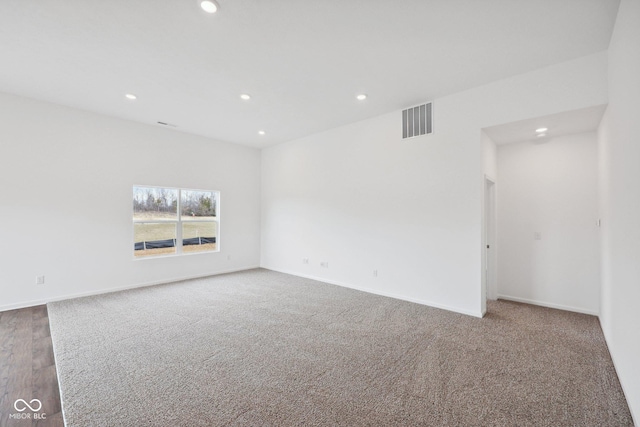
[375, 273]
[537, 235]
[228, 257]
[305, 260]
[324, 264]
[39, 280]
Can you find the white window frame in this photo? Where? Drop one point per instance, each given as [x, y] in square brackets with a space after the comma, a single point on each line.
[178, 223]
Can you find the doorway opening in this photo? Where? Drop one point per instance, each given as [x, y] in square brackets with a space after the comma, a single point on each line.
[489, 259]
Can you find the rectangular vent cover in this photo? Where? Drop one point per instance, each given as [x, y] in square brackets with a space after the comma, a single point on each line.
[417, 121]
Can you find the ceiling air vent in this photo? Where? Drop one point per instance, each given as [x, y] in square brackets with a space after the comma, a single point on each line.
[417, 121]
[167, 124]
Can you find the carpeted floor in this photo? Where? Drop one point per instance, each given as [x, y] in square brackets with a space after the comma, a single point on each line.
[260, 348]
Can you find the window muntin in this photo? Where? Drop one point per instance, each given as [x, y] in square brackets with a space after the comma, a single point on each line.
[158, 229]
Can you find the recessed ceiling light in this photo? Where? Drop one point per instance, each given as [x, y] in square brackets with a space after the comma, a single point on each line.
[131, 96]
[540, 130]
[209, 6]
[540, 135]
[245, 96]
[261, 132]
[361, 97]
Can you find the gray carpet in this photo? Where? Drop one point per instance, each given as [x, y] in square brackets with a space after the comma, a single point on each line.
[260, 348]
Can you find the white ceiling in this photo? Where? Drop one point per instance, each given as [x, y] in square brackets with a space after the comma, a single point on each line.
[302, 61]
[565, 123]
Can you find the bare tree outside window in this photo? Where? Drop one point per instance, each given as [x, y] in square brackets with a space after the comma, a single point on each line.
[174, 221]
[198, 204]
[155, 203]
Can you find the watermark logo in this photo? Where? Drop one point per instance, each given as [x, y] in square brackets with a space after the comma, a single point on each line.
[21, 405]
[34, 406]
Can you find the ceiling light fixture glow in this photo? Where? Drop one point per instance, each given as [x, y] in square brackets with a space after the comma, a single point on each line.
[261, 132]
[131, 96]
[209, 6]
[361, 97]
[245, 96]
[541, 130]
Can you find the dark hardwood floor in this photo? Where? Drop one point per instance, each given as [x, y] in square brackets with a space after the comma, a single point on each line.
[27, 370]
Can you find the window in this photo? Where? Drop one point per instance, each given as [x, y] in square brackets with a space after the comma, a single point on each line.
[170, 221]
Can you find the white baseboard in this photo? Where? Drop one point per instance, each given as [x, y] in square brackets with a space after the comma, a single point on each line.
[32, 303]
[41, 301]
[549, 305]
[376, 292]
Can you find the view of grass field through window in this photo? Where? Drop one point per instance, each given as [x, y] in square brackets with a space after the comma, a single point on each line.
[170, 221]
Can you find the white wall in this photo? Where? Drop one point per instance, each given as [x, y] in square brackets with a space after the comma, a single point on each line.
[362, 199]
[489, 157]
[67, 178]
[549, 188]
[620, 203]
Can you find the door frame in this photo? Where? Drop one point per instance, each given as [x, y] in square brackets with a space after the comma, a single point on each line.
[489, 252]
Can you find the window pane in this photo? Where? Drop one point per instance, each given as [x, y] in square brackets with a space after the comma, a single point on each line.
[199, 236]
[152, 203]
[198, 205]
[154, 238]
